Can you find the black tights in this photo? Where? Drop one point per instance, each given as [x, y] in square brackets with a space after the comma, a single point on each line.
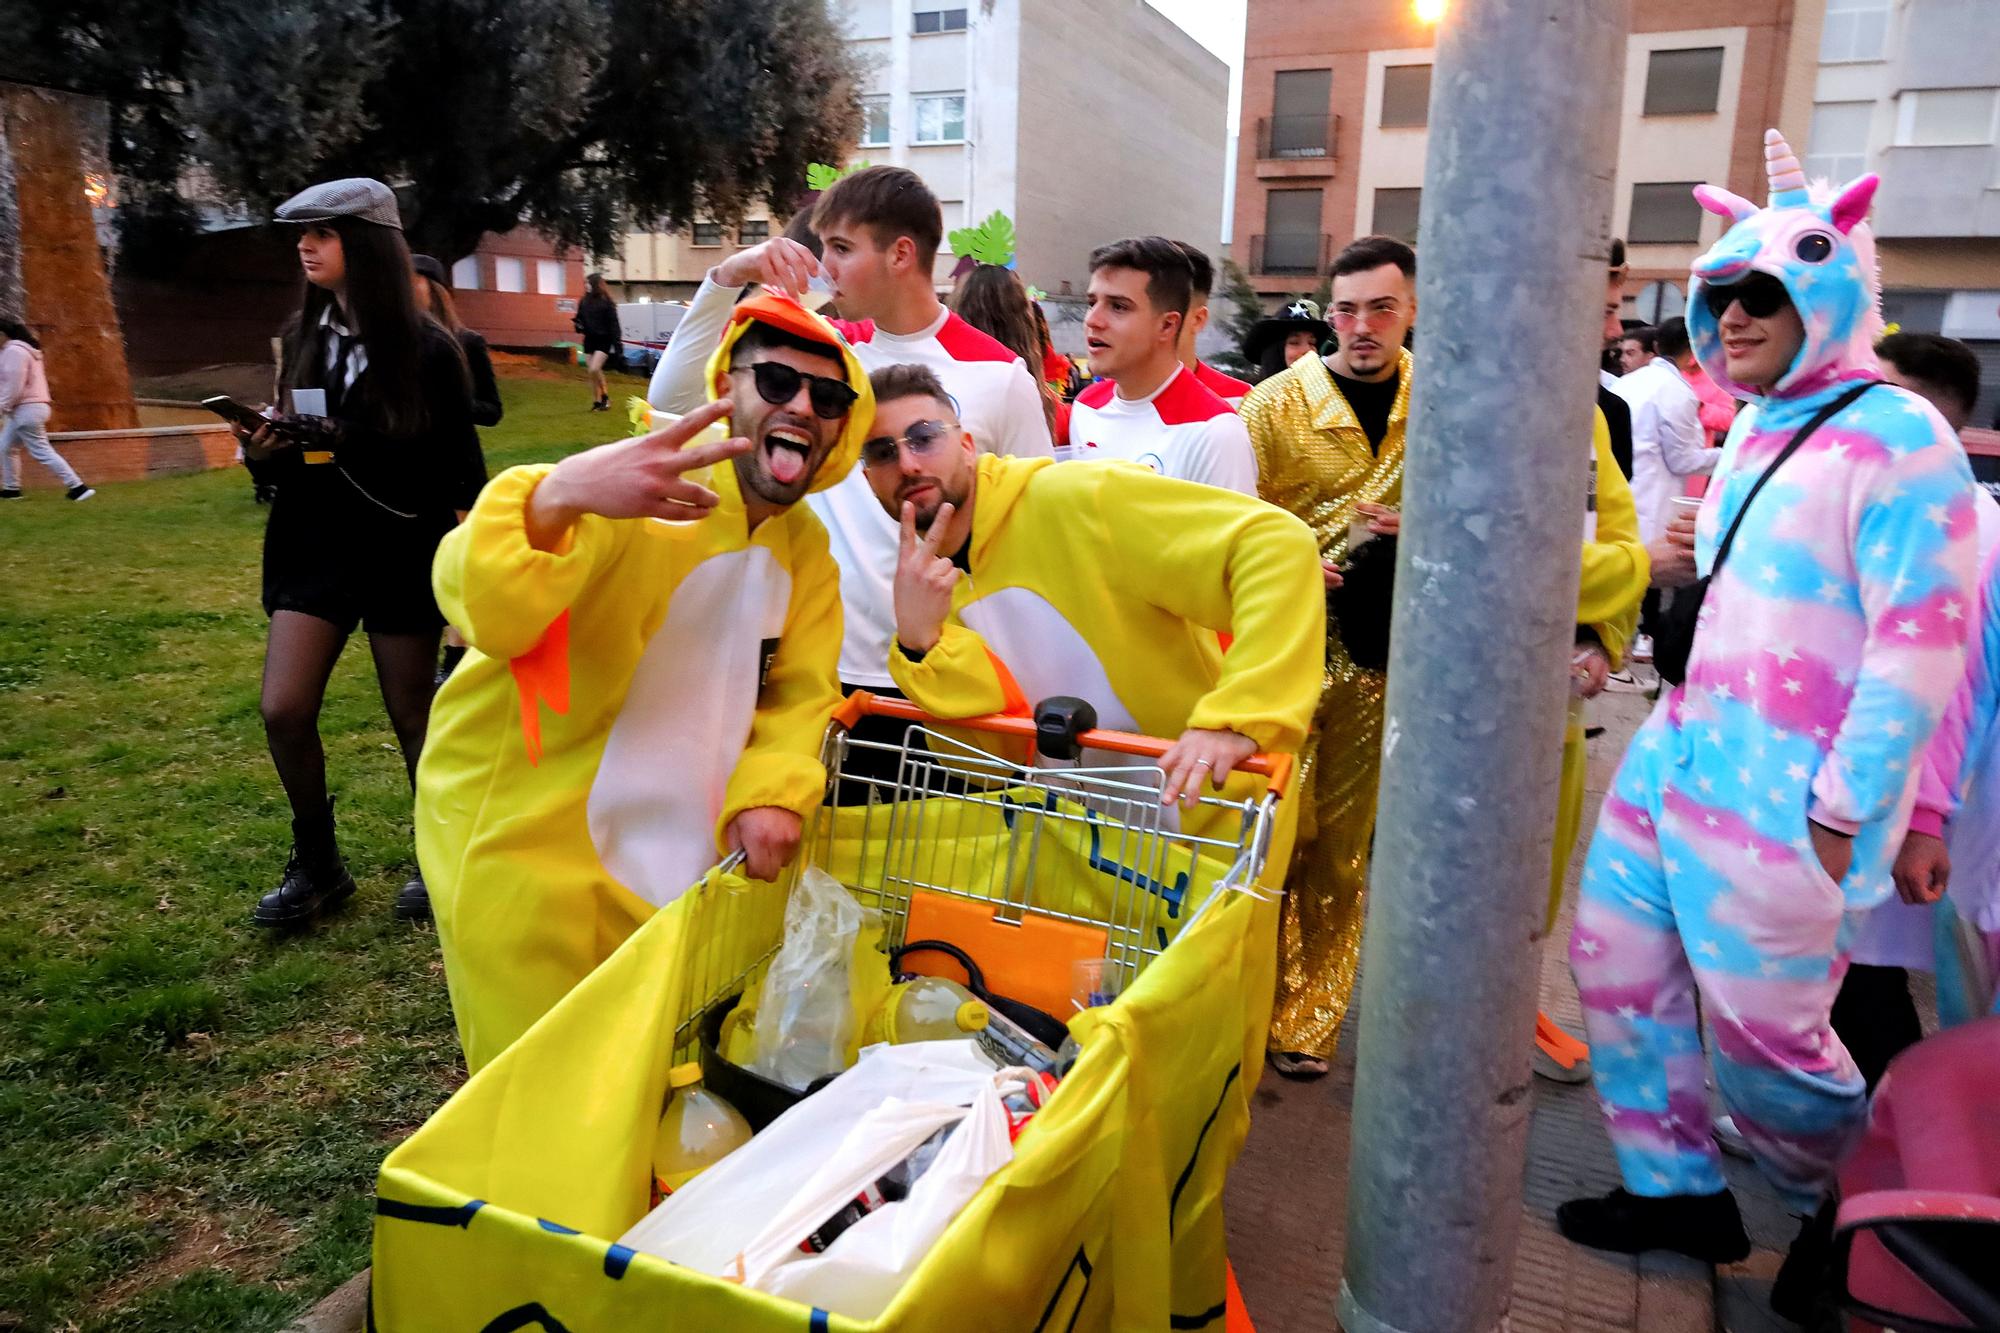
[297, 663]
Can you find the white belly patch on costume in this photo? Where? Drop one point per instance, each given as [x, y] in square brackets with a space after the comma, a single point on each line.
[1047, 656]
[686, 717]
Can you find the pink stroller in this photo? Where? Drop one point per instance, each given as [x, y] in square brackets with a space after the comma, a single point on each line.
[1919, 1227]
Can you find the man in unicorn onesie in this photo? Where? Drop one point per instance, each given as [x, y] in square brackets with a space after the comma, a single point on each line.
[1767, 797]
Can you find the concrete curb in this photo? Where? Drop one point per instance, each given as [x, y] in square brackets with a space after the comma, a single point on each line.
[345, 1309]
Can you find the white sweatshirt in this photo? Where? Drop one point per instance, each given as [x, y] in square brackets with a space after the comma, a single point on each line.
[1182, 429]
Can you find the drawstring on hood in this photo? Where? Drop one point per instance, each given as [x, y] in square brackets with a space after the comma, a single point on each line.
[1816, 243]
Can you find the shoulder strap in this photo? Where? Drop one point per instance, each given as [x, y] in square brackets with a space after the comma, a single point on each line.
[1820, 418]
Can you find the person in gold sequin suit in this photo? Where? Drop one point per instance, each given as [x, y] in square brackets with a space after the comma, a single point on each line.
[1328, 433]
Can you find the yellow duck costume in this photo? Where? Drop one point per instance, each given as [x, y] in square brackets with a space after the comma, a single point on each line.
[1616, 570]
[1314, 460]
[626, 697]
[1110, 583]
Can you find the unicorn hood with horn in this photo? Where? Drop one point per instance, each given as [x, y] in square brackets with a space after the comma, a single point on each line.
[1816, 243]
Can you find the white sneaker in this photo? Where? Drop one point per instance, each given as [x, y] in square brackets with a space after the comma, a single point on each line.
[1729, 1138]
[1642, 648]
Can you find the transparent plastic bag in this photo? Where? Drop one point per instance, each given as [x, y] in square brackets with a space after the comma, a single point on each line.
[805, 1009]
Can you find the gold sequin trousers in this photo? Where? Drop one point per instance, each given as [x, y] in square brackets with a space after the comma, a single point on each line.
[1326, 894]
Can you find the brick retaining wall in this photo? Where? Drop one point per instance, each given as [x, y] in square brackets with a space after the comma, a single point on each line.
[101, 456]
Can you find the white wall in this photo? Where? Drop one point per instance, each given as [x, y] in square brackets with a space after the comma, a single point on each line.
[1123, 128]
[973, 178]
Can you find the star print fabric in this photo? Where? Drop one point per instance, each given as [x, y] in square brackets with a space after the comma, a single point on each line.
[1829, 644]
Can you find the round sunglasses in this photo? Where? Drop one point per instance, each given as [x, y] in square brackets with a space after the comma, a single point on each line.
[1760, 295]
[921, 439]
[778, 384]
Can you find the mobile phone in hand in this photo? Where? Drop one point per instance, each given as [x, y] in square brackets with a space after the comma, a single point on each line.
[235, 413]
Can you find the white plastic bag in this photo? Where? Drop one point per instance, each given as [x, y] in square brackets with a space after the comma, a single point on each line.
[861, 1272]
[805, 1013]
[710, 1222]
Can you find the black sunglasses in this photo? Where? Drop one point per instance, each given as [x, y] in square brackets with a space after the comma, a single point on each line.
[778, 384]
[1760, 294]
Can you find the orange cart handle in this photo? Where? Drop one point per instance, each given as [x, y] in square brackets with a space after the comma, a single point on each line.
[1278, 768]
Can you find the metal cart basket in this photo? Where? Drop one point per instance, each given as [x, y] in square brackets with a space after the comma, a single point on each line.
[499, 1212]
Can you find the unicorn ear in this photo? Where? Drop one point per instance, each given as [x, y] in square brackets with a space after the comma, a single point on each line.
[1721, 202]
[1851, 205]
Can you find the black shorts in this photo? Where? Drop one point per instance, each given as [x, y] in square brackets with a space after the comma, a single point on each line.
[380, 609]
[382, 582]
[609, 346]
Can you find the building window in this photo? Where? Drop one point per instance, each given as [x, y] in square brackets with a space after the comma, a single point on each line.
[1299, 124]
[1292, 241]
[940, 118]
[1396, 213]
[1406, 97]
[465, 274]
[1684, 83]
[1854, 30]
[1945, 117]
[753, 232]
[1837, 148]
[509, 274]
[706, 234]
[549, 277]
[939, 20]
[1664, 213]
[875, 122]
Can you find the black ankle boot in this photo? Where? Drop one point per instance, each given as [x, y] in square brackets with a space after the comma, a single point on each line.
[315, 881]
[414, 902]
[1702, 1226]
[1804, 1288]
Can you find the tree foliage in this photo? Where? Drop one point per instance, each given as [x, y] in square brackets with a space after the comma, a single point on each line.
[578, 117]
[1237, 309]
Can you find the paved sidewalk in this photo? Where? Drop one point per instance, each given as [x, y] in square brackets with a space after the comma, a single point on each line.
[1287, 1200]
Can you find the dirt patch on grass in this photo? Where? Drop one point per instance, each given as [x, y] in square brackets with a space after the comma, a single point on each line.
[247, 1245]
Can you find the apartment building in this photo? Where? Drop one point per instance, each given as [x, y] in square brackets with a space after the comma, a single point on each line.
[1335, 110]
[1910, 89]
[1082, 120]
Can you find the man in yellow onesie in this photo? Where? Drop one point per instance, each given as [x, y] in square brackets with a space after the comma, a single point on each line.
[1103, 581]
[653, 665]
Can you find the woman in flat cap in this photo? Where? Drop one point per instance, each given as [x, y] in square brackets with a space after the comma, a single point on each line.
[371, 463]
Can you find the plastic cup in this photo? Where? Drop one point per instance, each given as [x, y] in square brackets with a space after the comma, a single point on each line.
[1094, 981]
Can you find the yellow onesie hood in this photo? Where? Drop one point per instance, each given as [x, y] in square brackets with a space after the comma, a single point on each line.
[782, 312]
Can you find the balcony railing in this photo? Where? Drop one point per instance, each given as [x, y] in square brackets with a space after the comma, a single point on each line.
[1295, 138]
[1291, 252]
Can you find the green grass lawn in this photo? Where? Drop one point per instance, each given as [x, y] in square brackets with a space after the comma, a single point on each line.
[192, 1111]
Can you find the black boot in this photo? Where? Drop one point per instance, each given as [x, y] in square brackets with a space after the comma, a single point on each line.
[414, 902]
[1804, 1289]
[316, 879]
[1702, 1226]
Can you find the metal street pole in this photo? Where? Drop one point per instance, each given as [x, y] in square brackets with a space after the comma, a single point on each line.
[1525, 100]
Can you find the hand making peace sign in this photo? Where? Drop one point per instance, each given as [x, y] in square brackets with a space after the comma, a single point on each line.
[924, 581]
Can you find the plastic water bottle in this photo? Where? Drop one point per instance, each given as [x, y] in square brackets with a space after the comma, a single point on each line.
[697, 1130]
[928, 1009]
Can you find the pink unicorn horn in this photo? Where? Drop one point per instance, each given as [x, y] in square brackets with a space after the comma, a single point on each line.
[1781, 165]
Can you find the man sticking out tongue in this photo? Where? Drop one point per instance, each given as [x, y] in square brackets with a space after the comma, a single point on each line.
[641, 697]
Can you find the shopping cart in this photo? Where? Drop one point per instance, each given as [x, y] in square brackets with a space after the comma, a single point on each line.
[504, 1204]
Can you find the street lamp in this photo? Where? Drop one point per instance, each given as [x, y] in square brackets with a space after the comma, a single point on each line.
[1430, 11]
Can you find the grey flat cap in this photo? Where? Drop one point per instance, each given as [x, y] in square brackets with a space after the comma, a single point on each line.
[356, 197]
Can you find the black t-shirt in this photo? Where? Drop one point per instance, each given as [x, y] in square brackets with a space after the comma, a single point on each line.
[1371, 402]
